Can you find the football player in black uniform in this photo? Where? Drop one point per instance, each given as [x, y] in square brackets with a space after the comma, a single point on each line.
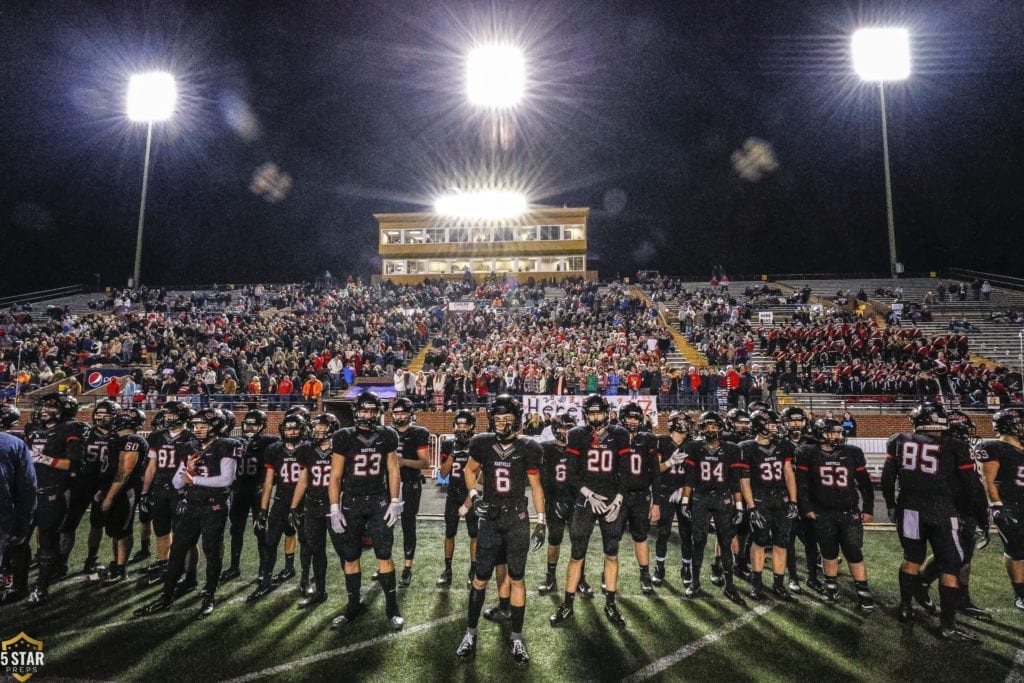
[314, 481]
[799, 434]
[365, 465]
[670, 494]
[207, 470]
[159, 498]
[595, 450]
[737, 430]
[712, 491]
[1002, 461]
[768, 484]
[506, 464]
[929, 468]
[247, 491]
[413, 458]
[281, 475]
[56, 448]
[454, 458]
[118, 496]
[85, 481]
[639, 473]
[973, 535]
[559, 497]
[828, 477]
[145, 519]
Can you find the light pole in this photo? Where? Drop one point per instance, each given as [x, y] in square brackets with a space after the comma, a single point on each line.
[151, 98]
[880, 55]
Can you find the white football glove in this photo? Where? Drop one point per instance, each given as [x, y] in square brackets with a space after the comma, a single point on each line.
[598, 503]
[465, 507]
[337, 519]
[613, 508]
[676, 496]
[394, 512]
[678, 458]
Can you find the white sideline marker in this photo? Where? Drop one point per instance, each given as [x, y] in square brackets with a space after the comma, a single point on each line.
[312, 659]
[659, 665]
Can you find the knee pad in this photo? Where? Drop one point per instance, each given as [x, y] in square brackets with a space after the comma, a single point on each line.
[638, 537]
[611, 548]
[854, 555]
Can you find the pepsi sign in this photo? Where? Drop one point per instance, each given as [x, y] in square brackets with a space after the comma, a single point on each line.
[98, 378]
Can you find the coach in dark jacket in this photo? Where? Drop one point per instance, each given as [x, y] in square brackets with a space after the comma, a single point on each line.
[17, 492]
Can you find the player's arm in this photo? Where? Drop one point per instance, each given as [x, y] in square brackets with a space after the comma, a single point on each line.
[446, 463]
[533, 476]
[689, 475]
[972, 486]
[867, 489]
[126, 460]
[990, 470]
[268, 487]
[789, 476]
[889, 472]
[300, 487]
[394, 475]
[147, 478]
[469, 474]
[334, 483]
[422, 460]
[228, 463]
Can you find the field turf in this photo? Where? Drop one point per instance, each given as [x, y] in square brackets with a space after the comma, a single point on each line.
[89, 633]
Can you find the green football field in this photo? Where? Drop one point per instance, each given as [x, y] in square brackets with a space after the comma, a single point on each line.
[89, 633]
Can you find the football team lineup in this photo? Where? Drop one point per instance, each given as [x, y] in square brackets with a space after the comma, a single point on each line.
[765, 486]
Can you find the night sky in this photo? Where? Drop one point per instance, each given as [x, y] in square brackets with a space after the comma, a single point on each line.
[634, 109]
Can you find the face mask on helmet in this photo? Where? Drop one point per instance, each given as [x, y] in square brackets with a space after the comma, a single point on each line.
[367, 416]
[401, 418]
[632, 417]
[927, 418]
[47, 413]
[200, 428]
[464, 428]
[710, 430]
[103, 416]
[292, 430]
[251, 427]
[324, 427]
[796, 427]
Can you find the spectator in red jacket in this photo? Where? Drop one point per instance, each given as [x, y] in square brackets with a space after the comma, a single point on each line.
[114, 389]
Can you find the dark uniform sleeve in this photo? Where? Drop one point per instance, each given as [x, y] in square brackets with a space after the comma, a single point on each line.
[890, 470]
[690, 466]
[447, 447]
[802, 466]
[339, 442]
[867, 490]
[973, 490]
[575, 447]
[75, 441]
[389, 441]
[534, 457]
[743, 463]
[736, 465]
[652, 461]
[622, 449]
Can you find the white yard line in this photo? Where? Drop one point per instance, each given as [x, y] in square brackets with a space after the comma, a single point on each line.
[659, 665]
[312, 659]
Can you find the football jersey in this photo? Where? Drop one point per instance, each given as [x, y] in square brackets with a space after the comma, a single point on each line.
[251, 465]
[118, 444]
[764, 465]
[596, 458]
[284, 461]
[458, 453]
[554, 473]
[829, 480]
[505, 468]
[409, 443]
[926, 469]
[207, 462]
[96, 463]
[318, 462]
[167, 450]
[712, 470]
[366, 464]
[639, 470]
[63, 441]
[675, 476]
[1010, 475]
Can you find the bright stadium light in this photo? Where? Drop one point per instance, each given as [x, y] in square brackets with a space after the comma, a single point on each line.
[485, 205]
[880, 55]
[151, 98]
[495, 76]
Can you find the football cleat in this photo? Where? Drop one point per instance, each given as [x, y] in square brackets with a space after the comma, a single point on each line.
[1019, 604]
[686, 573]
[659, 575]
[497, 614]
[781, 593]
[445, 579]
[794, 586]
[114, 575]
[259, 593]
[971, 610]
[815, 584]
[905, 612]
[284, 575]
[955, 634]
[467, 648]
[312, 600]
[397, 622]
[161, 604]
[831, 592]
[694, 590]
[10, 596]
[92, 565]
[732, 594]
[584, 589]
[153, 579]
[186, 584]
[865, 601]
[139, 556]
[206, 609]
[519, 655]
[563, 612]
[350, 614]
[924, 599]
[611, 610]
[646, 585]
[744, 572]
[230, 574]
[716, 576]
[307, 589]
[376, 576]
[60, 573]
[406, 576]
[205, 593]
[37, 595]
[757, 592]
[549, 585]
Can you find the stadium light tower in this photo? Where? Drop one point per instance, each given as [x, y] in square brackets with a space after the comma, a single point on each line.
[495, 76]
[880, 55]
[483, 205]
[151, 98]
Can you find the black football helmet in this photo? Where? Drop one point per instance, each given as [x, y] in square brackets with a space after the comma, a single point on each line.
[738, 421]
[103, 413]
[829, 432]
[961, 426]
[680, 422]
[159, 420]
[177, 414]
[795, 420]
[765, 423]
[128, 418]
[754, 406]
[711, 426]
[9, 416]
[57, 408]
[368, 403]
[632, 416]
[211, 417]
[595, 410]
[253, 424]
[464, 426]
[505, 405]
[402, 411]
[1009, 421]
[561, 425]
[324, 425]
[229, 415]
[293, 428]
[929, 418]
